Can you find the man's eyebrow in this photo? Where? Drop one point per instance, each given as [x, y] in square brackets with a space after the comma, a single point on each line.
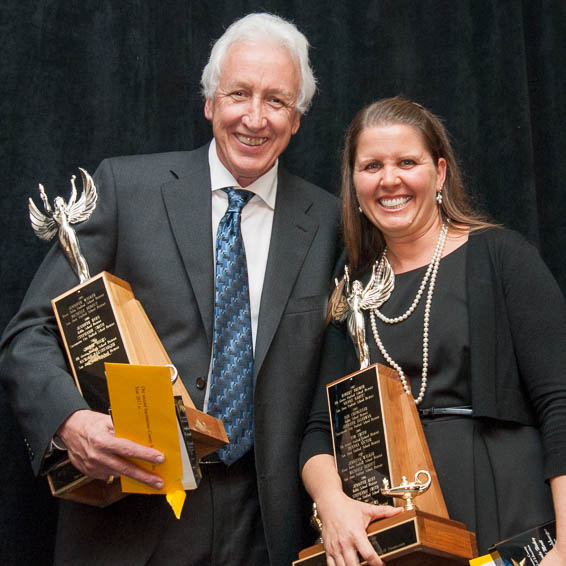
[286, 96]
[237, 84]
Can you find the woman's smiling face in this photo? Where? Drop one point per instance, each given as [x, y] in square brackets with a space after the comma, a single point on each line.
[396, 180]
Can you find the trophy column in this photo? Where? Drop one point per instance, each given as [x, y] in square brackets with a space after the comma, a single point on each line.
[379, 446]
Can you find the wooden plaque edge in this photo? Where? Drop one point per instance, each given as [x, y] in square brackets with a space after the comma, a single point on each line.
[208, 432]
[446, 534]
[401, 419]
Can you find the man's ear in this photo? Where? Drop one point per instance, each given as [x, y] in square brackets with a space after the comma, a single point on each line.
[296, 122]
[208, 109]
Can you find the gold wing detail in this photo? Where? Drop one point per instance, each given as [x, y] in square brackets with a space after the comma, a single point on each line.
[339, 307]
[80, 210]
[378, 290]
[43, 225]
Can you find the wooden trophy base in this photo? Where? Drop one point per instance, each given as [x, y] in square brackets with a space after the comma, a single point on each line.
[101, 321]
[377, 433]
[414, 538]
[66, 482]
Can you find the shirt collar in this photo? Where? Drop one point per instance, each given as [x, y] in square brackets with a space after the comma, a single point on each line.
[265, 187]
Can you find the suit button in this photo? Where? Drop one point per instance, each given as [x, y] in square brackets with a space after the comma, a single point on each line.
[201, 382]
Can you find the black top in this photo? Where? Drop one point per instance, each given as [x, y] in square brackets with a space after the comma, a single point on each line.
[448, 374]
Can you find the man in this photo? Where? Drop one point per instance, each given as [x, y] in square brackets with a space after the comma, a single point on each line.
[153, 228]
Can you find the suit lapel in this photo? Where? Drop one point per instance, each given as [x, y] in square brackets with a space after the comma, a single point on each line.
[188, 203]
[291, 237]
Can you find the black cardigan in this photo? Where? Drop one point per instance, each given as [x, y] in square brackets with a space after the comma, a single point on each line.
[517, 317]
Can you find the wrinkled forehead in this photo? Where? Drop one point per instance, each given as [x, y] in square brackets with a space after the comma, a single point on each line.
[239, 51]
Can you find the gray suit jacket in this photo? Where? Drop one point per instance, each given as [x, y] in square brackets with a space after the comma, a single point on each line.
[153, 228]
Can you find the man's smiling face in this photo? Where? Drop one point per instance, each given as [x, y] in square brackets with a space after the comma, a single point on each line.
[253, 111]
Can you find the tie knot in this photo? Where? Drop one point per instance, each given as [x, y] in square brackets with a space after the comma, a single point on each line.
[237, 198]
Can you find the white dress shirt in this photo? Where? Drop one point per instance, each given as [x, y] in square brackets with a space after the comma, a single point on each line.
[257, 220]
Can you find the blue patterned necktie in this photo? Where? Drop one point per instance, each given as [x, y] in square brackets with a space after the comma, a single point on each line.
[231, 382]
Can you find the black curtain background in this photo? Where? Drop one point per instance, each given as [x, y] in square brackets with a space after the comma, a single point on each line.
[80, 81]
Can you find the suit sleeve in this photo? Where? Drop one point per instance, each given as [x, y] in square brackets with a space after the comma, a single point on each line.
[33, 367]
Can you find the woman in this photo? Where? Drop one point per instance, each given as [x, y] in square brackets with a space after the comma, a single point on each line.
[475, 321]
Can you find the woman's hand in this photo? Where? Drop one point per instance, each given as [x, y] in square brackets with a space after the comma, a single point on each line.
[344, 524]
[556, 557]
[344, 520]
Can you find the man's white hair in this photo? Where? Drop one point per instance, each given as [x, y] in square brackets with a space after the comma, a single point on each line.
[270, 29]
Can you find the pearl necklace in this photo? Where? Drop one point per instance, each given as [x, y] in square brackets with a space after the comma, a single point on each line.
[431, 273]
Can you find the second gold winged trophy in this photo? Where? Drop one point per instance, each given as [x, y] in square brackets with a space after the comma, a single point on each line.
[381, 453]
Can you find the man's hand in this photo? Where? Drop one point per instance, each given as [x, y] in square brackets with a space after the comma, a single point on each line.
[96, 452]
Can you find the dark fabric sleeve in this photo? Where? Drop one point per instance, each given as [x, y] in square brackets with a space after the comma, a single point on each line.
[33, 366]
[338, 360]
[537, 318]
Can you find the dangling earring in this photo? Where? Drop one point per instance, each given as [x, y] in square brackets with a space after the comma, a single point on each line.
[360, 209]
[439, 196]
